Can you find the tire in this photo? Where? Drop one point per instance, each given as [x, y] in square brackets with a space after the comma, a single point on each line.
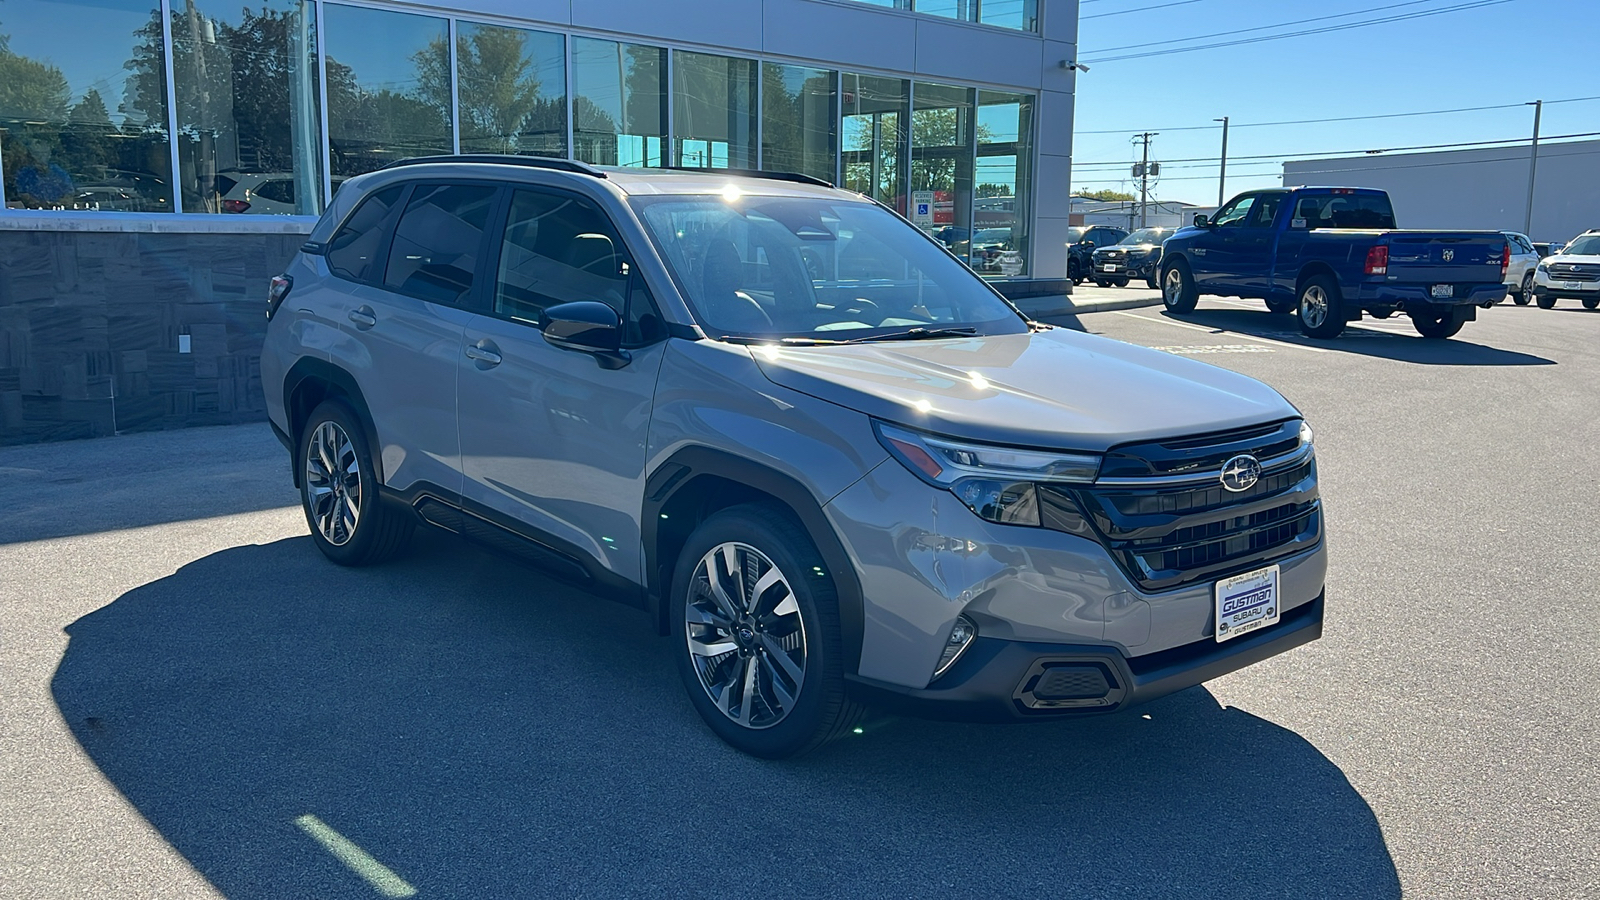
[1591, 302]
[1436, 326]
[349, 520]
[1152, 282]
[1121, 281]
[1074, 273]
[1545, 301]
[1178, 292]
[1281, 305]
[1525, 293]
[1099, 283]
[799, 702]
[1320, 307]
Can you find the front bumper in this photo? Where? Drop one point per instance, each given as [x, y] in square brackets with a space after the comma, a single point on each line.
[1129, 267]
[1576, 287]
[997, 680]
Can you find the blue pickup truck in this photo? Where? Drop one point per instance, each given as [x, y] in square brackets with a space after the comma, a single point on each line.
[1331, 254]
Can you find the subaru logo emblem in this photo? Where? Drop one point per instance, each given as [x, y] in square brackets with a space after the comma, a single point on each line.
[1241, 473]
[1449, 255]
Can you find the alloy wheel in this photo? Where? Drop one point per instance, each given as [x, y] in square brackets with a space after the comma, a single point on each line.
[333, 483]
[1172, 287]
[745, 635]
[1314, 306]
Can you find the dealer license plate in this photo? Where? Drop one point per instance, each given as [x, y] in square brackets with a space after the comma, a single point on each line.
[1247, 602]
[1108, 267]
[1443, 291]
[1571, 285]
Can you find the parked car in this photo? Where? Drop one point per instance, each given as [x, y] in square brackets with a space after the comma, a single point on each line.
[1136, 256]
[260, 193]
[1547, 248]
[1572, 274]
[1332, 254]
[826, 458]
[1080, 249]
[1519, 271]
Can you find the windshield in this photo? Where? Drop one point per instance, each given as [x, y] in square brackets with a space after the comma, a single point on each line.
[1583, 245]
[1147, 236]
[818, 269]
[1077, 232]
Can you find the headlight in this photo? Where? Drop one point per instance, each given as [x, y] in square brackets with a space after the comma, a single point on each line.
[997, 483]
[1306, 433]
[1541, 269]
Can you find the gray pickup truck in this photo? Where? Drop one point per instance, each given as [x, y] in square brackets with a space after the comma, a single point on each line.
[1332, 254]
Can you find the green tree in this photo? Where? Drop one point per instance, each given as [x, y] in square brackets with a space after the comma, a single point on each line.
[1106, 195]
[501, 105]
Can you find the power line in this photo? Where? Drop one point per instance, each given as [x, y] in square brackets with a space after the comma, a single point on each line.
[1123, 12]
[1359, 170]
[1230, 33]
[1475, 4]
[1358, 152]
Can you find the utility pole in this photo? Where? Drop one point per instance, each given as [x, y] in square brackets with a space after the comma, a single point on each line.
[1533, 165]
[1143, 171]
[1222, 176]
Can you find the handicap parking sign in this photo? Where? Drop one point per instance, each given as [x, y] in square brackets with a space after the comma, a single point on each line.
[922, 209]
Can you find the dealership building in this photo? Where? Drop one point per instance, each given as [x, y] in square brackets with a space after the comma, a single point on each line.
[161, 159]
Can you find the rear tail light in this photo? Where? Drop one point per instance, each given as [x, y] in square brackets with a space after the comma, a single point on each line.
[276, 291]
[1505, 260]
[1378, 261]
[235, 206]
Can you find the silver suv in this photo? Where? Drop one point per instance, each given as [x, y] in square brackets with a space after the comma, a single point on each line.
[830, 461]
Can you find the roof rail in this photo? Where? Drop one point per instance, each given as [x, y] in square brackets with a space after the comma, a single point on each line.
[503, 159]
[795, 177]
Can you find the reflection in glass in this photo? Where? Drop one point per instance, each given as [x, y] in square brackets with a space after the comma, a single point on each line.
[388, 87]
[249, 131]
[1004, 177]
[619, 104]
[714, 111]
[874, 137]
[1022, 15]
[965, 10]
[83, 106]
[941, 165]
[512, 87]
[799, 116]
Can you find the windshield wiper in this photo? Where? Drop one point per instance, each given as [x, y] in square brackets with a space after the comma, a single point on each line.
[915, 334]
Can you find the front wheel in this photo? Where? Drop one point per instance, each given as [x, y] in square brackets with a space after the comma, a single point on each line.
[350, 522]
[1153, 282]
[1591, 303]
[1178, 292]
[1545, 301]
[1280, 304]
[755, 618]
[1525, 294]
[1121, 281]
[1436, 325]
[1320, 307]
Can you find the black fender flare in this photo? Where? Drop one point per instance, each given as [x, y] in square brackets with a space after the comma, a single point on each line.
[310, 368]
[682, 468]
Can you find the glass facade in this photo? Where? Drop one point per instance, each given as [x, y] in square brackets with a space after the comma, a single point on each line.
[1023, 15]
[272, 105]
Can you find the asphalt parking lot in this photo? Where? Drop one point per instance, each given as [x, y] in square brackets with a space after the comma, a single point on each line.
[184, 681]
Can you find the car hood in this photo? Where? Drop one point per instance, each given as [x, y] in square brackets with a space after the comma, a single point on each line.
[1585, 260]
[1055, 389]
[1130, 249]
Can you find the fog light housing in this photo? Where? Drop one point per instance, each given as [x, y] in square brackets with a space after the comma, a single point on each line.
[961, 635]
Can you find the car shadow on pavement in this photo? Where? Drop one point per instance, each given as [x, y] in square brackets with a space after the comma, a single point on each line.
[1379, 340]
[484, 732]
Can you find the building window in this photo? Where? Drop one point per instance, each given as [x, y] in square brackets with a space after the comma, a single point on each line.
[249, 125]
[619, 102]
[873, 136]
[388, 88]
[1004, 179]
[714, 111]
[800, 120]
[83, 106]
[1022, 15]
[941, 164]
[512, 88]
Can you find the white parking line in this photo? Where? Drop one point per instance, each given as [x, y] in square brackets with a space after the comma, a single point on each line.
[1240, 334]
[381, 877]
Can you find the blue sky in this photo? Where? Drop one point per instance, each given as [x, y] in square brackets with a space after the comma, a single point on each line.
[1509, 52]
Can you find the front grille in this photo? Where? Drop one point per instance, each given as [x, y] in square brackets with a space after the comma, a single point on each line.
[1573, 272]
[1165, 535]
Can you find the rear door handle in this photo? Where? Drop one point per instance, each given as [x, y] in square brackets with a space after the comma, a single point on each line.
[363, 317]
[484, 353]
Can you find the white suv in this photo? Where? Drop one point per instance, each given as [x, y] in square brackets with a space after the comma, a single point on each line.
[1573, 273]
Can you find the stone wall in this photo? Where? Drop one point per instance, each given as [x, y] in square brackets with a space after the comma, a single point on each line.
[90, 326]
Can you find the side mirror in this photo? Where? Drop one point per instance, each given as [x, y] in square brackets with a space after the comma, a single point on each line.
[587, 326]
[1088, 245]
[1200, 221]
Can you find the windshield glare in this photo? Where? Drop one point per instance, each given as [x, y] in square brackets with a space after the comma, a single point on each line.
[1586, 245]
[1147, 236]
[812, 268]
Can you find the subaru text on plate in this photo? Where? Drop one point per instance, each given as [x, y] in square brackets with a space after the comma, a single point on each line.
[826, 458]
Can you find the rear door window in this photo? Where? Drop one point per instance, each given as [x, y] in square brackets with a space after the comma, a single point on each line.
[439, 241]
[1370, 211]
[353, 252]
[281, 191]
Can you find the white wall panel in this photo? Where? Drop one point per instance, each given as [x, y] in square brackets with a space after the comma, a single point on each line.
[730, 24]
[845, 34]
[534, 12]
[956, 51]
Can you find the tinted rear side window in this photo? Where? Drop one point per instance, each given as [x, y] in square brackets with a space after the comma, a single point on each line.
[1343, 211]
[353, 250]
[280, 191]
[438, 242]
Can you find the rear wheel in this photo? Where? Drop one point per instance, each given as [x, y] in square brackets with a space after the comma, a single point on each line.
[1320, 307]
[1436, 325]
[350, 522]
[1545, 301]
[755, 618]
[1177, 289]
[1591, 303]
[1280, 304]
[1525, 293]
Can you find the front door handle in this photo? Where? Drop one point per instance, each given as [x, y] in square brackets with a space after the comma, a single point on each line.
[363, 317]
[484, 353]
